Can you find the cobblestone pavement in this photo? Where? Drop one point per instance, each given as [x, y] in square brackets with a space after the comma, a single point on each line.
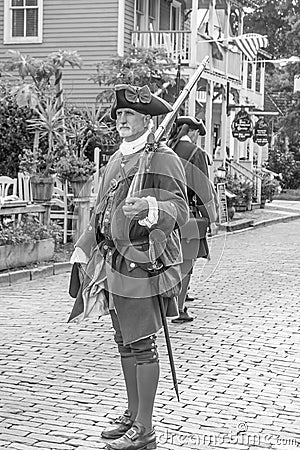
[237, 363]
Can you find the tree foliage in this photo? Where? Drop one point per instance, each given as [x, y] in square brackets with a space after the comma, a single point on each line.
[274, 18]
[138, 67]
[14, 136]
[280, 21]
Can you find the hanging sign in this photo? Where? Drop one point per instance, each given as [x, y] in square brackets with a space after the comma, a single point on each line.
[242, 126]
[261, 133]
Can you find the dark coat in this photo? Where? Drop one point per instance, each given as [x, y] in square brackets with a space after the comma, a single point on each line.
[200, 198]
[128, 282]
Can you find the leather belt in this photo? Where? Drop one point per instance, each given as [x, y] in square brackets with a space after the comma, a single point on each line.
[111, 244]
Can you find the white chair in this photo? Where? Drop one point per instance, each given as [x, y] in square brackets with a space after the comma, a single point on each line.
[8, 186]
[8, 192]
[24, 188]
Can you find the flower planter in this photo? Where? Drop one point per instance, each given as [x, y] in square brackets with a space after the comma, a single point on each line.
[240, 207]
[18, 255]
[41, 188]
[81, 188]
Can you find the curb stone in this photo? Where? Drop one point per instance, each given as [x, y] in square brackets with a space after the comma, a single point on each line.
[7, 279]
[263, 223]
[275, 220]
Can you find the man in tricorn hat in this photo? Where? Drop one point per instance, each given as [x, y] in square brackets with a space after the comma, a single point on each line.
[128, 225]
[183, 140]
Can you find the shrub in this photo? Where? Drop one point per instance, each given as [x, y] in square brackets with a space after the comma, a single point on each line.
[72, 166]
[243, 189]
[14, 134]
[28, 230]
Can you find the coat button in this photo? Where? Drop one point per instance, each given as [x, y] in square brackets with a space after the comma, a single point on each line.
[105, 247]
[90, 228]
[132, 265]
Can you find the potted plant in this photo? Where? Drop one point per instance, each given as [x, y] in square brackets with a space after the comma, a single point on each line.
[85, 130]
[243, 190]
[269, 187]
[36, 91]
[77, 170]
[26, 242]
[39, 162]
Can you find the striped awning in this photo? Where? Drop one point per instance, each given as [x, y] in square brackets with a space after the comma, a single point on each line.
[250, 43]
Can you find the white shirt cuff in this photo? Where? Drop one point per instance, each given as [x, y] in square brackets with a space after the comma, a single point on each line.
[78, 256]
[152, 217]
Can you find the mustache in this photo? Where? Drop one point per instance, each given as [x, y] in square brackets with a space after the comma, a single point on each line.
[119, 127]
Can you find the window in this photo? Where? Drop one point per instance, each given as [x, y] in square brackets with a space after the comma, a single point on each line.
[23, 21]
[139, 10]
[258, 78]
[146, 15]
[152, 12]
[249, 76]
[175, 14]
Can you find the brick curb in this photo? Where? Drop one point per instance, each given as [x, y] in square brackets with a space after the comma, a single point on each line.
[263, 223]
[9, 278]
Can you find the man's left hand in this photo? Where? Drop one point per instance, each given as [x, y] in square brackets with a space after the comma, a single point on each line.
[136, 207]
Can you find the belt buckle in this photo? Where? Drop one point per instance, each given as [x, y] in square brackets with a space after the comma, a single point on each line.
[155, 267]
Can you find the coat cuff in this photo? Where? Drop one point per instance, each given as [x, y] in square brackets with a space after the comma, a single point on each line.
[78, 256]
[152, 217]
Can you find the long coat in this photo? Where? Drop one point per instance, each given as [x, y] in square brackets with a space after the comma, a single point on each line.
[200, 198]
[132, 292]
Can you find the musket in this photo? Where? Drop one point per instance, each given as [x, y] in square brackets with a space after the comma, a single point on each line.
[165, 124]
[137, 184]
[154, 139]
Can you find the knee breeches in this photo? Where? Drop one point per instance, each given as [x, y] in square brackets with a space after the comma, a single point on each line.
[144, 350]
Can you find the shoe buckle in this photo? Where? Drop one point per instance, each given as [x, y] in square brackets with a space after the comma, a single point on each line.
[132, 434]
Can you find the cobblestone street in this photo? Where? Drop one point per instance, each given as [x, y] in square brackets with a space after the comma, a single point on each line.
[237, 362]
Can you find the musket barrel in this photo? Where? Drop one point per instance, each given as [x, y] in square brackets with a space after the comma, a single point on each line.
[182, 97]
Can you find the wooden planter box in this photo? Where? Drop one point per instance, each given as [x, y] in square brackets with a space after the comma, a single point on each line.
[12, 256]
[239, 207]
[41, 188]
[81, 188]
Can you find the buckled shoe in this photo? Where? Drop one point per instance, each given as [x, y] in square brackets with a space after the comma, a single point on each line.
[134, 439]
[120, 426]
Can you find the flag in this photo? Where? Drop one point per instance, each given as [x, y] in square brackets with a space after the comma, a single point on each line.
[250, 43]
[217, 50]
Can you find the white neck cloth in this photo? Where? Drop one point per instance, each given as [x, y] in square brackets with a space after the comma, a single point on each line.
[129, 148]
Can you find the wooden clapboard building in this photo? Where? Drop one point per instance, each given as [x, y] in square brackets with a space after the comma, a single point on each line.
[187, 29]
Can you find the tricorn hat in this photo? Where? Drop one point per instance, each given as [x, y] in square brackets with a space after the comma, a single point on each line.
[139, 99]
[193, 124]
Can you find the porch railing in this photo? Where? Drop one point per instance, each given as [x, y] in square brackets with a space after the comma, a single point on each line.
[176, 43]
[234, 168]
